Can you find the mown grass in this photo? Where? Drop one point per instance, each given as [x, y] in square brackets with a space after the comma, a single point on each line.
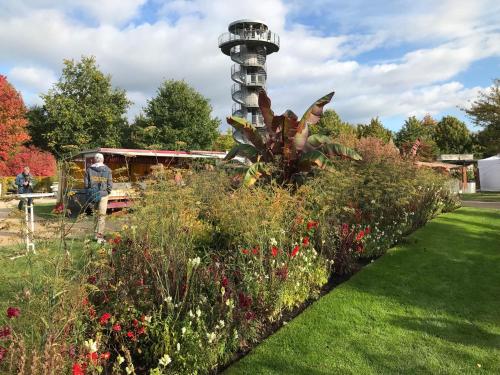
[429, 306]
[482, 197]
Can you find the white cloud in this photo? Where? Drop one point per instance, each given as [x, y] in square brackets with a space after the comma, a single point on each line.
[182, 44]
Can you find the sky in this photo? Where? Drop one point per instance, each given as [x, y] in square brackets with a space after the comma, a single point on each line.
[391, 59]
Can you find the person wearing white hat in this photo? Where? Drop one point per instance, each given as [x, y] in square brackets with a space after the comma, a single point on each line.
[99, 182]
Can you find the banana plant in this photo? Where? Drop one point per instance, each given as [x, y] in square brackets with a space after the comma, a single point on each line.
[285, 144]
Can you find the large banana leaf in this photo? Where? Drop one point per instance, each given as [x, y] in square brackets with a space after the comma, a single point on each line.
[316, 140]
[315, 111]
[250, 132]
[336, 149]
[265, 109]
[253, 173]
[290, 125]
[315, 157]
[244, 150]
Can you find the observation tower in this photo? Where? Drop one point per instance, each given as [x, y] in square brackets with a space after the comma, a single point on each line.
[248, 43]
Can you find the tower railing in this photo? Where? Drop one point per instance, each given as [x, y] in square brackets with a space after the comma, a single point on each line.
[266, 36]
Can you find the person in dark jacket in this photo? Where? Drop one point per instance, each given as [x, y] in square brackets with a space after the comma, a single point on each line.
[98, 176]
[25, 183]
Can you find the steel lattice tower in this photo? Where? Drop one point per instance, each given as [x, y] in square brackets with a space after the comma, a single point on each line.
[248, 43]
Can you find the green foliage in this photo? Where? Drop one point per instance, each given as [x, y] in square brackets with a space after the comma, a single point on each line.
[286, 145]
[374, 129]
[452, 136]
[485, 113]
[224, 142]
[331, 125]
[82, 110]
[178, 117]
[412, 130]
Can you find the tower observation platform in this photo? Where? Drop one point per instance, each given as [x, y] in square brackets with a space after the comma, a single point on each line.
[248, 42]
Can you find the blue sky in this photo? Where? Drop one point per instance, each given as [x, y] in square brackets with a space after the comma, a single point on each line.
[391, 59]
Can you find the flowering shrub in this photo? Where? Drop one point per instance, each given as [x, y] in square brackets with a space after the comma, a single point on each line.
[201, 271]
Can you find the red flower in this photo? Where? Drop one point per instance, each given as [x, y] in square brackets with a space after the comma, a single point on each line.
[85, 301]
[244, 300]
[105, 356]
[244, 251]
[130, 335]
[255, 250]
[104, 318]
[135, 322]
[77, 369]
[345, 229]
[368, 230]
[312, 224]
[13, 312]
[360, 235]
[360, 248]
[4, 332]
[274, 251]
[3, 351]
[224, 281]
[93, 357]
[305, 241]
[117, 240]
[295, 251]
[141, 331]
[117, 328]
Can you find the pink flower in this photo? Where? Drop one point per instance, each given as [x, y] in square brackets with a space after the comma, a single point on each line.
[13, 312]
[117, 328]
[130, 335]
[105, 356]
[4, 332]
[225, 281]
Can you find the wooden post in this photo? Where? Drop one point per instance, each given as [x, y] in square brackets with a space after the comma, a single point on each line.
[464, 178]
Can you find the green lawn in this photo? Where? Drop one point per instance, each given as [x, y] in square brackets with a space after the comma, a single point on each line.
[483, 197]
[430, 306]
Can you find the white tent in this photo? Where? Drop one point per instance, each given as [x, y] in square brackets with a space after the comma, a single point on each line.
[489, 173]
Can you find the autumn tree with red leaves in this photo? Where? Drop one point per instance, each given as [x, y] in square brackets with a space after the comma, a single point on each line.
[13, 135]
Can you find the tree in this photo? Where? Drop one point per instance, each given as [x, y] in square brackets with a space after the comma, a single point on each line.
[13, 134]
[412, 130]
[452, 136]
[331, 125]
[374, 129]
[224, 142]
[82, 110]
[12, 123]
[485, 113]
[177, 117]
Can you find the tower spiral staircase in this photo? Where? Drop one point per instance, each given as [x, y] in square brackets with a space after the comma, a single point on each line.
[248, 42]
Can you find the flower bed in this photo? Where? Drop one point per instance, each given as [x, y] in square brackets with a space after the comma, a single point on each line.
[202, 270]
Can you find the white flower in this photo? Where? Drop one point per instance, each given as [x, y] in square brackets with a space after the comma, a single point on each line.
[147, 318]
[91, 345]
[198, 312]
[168, 299]
[211, 337]
[129, 369]
[178, 347]
[120, 359]
[273, 242]
[165, 360]
[195, 262]
[183, 330]
[190, 313]
[221, 323]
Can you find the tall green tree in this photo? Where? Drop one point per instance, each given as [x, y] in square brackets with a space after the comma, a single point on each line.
[82, 110]
[452, 136]
[412, 130]
[375, 129]
[331, 125]
[177, 117]
[485, 113]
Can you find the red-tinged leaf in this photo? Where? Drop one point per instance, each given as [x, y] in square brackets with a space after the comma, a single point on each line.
[265, 109]
[248, 130]
[315, 111]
